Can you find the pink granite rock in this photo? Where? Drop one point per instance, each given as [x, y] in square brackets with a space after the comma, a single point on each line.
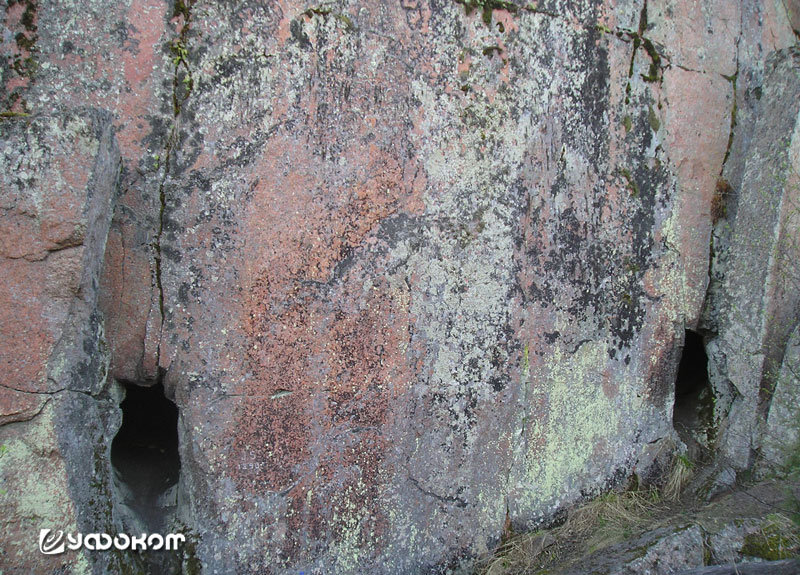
[408, 271]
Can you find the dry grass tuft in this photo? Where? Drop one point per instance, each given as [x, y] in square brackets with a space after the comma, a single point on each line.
[778, 538]
[719, 201]
[519, 554]
[679, 476]
[605, 520]
[611, 517]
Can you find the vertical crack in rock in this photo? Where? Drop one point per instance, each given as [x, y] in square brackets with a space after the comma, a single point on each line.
[654, 72]
[182, 85]
[157, 245]
[732, 79]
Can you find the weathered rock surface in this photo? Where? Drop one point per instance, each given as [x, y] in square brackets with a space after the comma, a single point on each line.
[59, 177]
[781, 444]
[749, 525]
[755, 299]
[408, 270]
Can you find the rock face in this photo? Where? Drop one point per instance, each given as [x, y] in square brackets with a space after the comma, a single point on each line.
[409, 270]
[738, 530]
[755, 295]
[60, 173]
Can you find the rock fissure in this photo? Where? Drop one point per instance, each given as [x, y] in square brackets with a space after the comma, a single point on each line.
[182, 85]
[688, 69]
[28, 391]
[641, 41]
[391, 311]
[443, 498]
[732, 79]
[31, 415]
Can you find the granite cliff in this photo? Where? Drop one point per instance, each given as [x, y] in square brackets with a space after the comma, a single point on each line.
[390, 276]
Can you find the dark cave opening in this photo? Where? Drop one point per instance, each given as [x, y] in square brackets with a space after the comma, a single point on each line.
[693, 412]
[145, 458]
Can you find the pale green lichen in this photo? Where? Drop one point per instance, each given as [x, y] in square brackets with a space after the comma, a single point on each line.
[34, 478]
[580, 418]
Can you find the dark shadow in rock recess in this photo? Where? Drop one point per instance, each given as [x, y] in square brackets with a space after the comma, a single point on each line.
[693, 412]
[144, 455]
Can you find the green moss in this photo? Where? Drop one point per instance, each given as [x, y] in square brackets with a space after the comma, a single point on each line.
[318, 11]
[191, 563]
[771, 546]
[655, 61]
[707, 402]
[536, 10]
[24, 42]
[328, 11]
[25, 66]
[489, 51]
[653, 119]
[708, 556]
[183, 82]
[487, 16]
[636, 43]
[345, 19]
[732, 80]
[640, 41]
[632, 186]
[182, 8]
[626, 121]
[29, 16]
[486, 7]
[7, 114]
[631, 266]
[526, 364]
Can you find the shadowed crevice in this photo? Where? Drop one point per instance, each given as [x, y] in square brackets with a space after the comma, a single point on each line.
[144, 456]
[693, 412]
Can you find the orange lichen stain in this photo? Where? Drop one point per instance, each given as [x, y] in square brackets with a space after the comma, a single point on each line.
[610, 390]
[319, 397]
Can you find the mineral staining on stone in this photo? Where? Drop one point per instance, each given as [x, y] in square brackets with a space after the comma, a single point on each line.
[409, 270]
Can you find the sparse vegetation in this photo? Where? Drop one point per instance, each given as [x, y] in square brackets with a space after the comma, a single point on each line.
[607, 519]
[719, 201]
[678, 478]
[486, 7]
[778, 538]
